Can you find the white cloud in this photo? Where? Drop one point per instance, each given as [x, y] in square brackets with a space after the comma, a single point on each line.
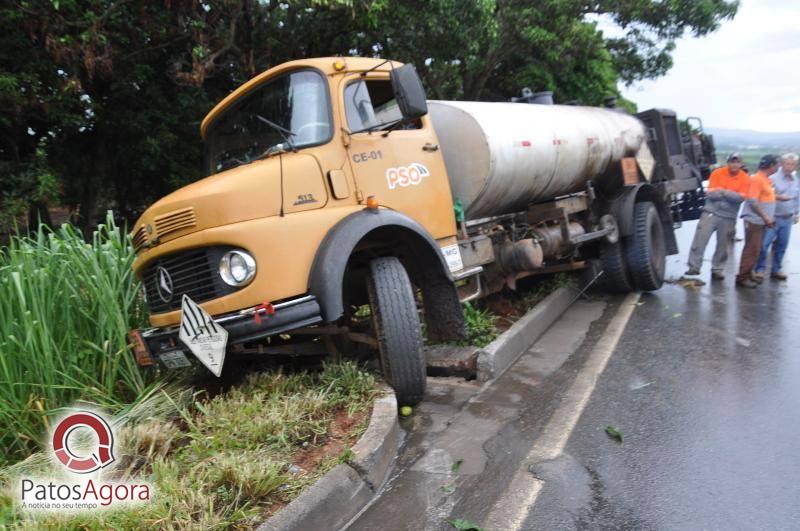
[744, 76]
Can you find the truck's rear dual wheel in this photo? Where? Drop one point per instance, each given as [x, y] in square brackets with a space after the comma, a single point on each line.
[615, 276]
[396, 324]
[645, 249]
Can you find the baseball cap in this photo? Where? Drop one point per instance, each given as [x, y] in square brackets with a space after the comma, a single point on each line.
[735, 155]
[767, 161]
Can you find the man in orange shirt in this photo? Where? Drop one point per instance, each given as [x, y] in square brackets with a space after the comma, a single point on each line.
[757, 213]
[727, 188]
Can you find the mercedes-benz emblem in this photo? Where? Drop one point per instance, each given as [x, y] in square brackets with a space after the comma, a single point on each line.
[164, 284]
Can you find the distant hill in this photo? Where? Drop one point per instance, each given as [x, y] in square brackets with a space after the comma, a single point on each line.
[743, 138]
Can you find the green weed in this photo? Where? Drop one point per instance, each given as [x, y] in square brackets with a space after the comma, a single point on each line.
[480, 325]
[547, 286]
[222, 462]
[65, 308]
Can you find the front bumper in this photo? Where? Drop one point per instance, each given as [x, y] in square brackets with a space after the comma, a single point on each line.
[242, 327]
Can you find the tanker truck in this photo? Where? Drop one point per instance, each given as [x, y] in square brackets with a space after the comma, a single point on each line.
[341, 207]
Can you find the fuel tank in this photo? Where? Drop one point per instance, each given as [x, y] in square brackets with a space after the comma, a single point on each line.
[500, 157]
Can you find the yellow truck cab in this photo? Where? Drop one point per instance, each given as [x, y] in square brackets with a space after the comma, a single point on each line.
[312, 179]
[332, 184]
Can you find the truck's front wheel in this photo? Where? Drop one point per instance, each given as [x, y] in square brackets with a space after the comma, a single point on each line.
[396, 324]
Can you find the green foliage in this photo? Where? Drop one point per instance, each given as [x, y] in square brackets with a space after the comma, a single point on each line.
[488, 49]
[65, 309]
[651, 28]
[220, 463]
[480, 325]
[614, 433]
[113, 92]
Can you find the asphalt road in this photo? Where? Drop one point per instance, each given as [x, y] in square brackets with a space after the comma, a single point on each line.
[705, 387]
[703, 383]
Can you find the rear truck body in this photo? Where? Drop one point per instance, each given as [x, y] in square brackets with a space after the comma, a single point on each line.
[335, 186]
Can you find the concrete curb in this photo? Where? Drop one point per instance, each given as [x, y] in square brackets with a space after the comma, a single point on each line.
[343, 492]
[497, 356]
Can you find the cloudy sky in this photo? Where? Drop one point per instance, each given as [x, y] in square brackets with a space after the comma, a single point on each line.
[744, 76]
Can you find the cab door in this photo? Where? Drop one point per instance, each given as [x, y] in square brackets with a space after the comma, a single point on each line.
[401, 166]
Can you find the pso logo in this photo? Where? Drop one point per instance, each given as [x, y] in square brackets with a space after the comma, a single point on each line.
[406, 175]
[100, 457]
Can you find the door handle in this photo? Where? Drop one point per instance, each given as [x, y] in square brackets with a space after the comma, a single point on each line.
[430, 147]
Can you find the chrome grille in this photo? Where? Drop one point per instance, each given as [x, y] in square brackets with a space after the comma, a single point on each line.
[193, 273]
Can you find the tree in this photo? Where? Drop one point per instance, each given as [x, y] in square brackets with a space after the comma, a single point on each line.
[490, 49]
[651, 28]
[100, 101]
[113, 92]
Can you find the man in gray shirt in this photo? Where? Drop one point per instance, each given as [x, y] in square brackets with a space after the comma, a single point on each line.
[787, 209]
[727, 188]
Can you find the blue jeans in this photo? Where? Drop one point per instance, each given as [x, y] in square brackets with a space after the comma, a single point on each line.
[779, 235]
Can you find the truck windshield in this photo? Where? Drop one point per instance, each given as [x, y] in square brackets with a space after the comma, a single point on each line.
[288, 112]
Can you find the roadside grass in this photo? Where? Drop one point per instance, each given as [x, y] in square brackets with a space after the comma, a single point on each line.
[226, 461]
[487, 318]
[65, 308]
[545, 287]
[481, 328]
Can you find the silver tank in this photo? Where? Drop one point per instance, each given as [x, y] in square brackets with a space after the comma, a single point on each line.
[502, 156]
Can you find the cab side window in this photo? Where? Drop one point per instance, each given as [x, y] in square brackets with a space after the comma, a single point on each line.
[370, 104]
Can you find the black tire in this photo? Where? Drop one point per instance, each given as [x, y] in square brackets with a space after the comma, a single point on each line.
[396, 324]
[615, 276]
[645, 249]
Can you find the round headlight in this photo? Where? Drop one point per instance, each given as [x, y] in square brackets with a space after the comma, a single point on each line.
[237, 268]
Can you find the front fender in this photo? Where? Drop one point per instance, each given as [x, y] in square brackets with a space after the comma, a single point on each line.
[330, 263]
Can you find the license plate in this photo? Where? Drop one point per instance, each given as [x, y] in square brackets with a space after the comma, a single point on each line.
[205, 338]
[452, 256]
[174, 359]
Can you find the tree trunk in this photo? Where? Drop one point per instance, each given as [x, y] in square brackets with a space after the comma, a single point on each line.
[38, 214]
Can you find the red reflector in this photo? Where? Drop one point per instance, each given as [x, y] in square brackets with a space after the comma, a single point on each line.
[139, 347]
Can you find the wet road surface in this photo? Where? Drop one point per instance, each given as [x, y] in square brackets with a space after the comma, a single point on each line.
[705, 386]
[703, 383]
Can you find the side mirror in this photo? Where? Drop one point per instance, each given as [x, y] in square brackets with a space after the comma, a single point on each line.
[409, 92]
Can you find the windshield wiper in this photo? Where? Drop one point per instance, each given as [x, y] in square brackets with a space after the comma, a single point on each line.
[285, 133]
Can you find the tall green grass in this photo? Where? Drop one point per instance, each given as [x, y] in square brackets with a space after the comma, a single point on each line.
[65, 308]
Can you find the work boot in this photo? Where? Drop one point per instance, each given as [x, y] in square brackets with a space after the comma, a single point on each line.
[691, 272]
[717, 275]
[746, 283]
[780, 275]
[758, 276]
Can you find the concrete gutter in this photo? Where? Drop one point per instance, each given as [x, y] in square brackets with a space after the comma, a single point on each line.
[497, 356]
[343, 492]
